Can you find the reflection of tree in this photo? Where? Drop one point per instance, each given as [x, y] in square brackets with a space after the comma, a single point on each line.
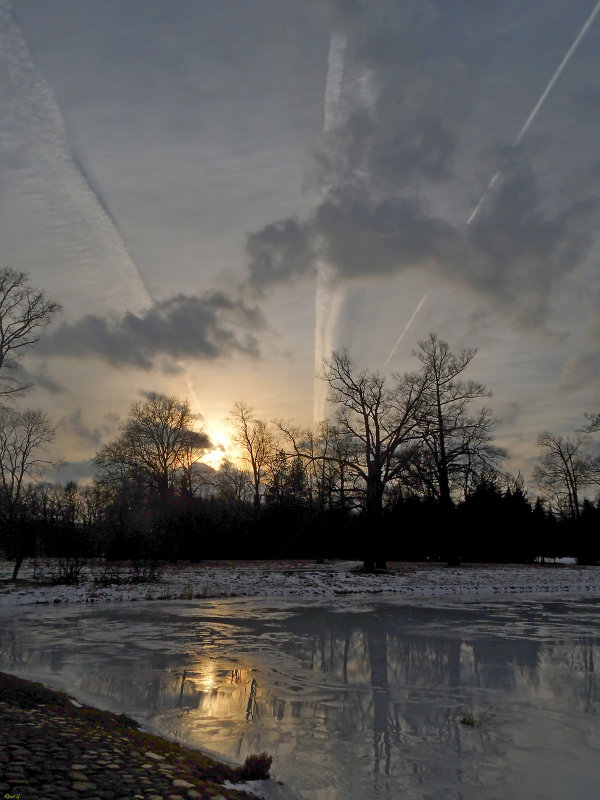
[252, 709]
[389, 684]
[347, 640]
[403, 662]
[495, 659]
[11, 650]
[453, 646]
[182, 688]
[590, 677]
[378, 658]
[574, 673]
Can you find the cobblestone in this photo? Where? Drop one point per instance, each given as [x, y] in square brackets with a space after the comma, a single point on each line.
[57, 751]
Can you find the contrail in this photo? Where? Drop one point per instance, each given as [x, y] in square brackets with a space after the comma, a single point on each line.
[406, 327]
[525, 127]
[542, 99]
[481, 200]
[76, 212]
[56, 184]
[556, 75]
[345, 91]
[329, 292]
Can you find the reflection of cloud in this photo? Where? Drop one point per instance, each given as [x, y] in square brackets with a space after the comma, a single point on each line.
[183, 326]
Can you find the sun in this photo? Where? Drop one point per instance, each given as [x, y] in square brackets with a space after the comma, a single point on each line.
[222, 446]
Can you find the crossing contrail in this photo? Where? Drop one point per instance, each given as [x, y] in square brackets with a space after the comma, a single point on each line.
[525, 127]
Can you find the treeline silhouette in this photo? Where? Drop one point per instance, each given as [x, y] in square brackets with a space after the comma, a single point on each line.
[490, 525]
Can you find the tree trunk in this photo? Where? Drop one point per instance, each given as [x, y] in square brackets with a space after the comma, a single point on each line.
[443, 477]
[374, 508]
[17, 567]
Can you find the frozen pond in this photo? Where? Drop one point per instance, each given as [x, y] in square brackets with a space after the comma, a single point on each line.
[356, 699]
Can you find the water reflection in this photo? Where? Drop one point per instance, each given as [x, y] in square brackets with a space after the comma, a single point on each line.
[355, 703]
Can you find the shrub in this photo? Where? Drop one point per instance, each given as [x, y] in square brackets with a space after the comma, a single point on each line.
[256, 768]
[62, 571]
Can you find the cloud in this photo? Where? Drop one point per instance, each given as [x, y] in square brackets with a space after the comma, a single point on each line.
[80, 471]
[391, 168]
[365, 236]
[35, 139]
[509, 412]
[73, 424]
[278, 253]
[515, 253]
[521, 251]
[582, 370]
[42, 379]
[35, 378]
[207, 327]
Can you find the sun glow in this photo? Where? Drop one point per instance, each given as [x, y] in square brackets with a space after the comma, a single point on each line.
[221, 449]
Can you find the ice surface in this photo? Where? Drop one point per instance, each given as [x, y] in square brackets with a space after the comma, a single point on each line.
[357, 698]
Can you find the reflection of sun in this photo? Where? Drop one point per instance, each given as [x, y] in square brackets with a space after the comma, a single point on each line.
[221, 441]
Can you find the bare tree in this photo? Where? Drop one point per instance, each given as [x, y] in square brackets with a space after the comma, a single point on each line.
[325, 453]
[562, 471]
[193, 476]
[23, 439]
[257, 445]
[231, 483]
[455, 443]
[159, 445]
[470, 456]
[377, 423]
[24, 311]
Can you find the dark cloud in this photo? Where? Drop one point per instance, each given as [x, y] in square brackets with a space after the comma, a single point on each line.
[73, 424]
[81, 472]
[362, 236]
[183, 326]
[391, 164]
[36, 378]
[279, 252]
[581, 370]
[515, 253]
[43, 380]
[522, 251]
[509, 412]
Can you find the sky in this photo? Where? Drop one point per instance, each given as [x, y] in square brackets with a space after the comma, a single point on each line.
[220, 193]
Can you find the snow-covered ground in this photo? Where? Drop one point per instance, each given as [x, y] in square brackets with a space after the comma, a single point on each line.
[299, 578]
